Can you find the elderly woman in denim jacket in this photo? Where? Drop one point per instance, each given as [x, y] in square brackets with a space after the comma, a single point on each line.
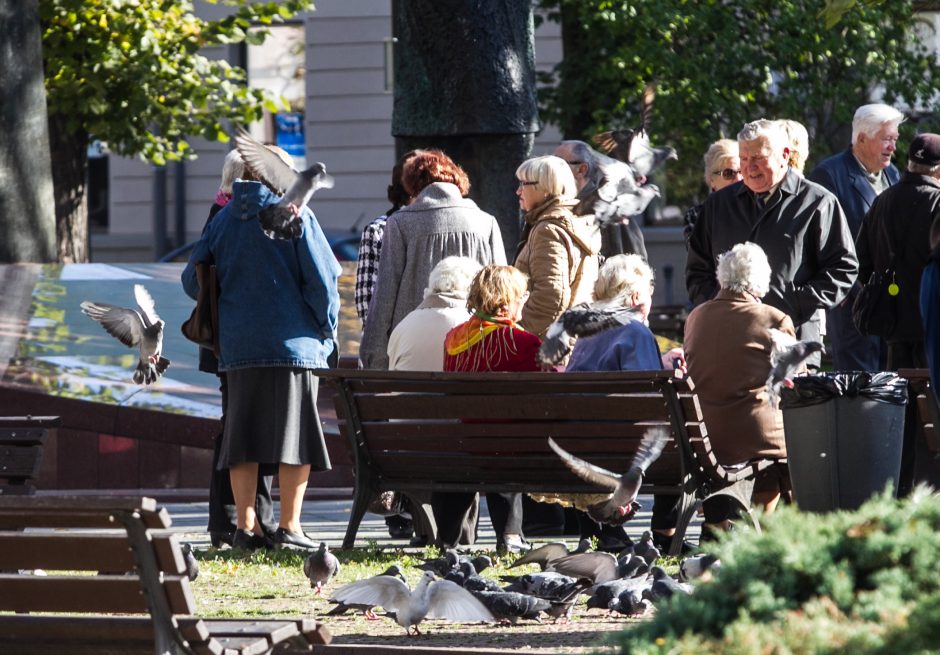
[278, 311]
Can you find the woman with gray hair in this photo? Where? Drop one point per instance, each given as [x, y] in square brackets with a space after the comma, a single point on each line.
[722, 168]
[728, 348]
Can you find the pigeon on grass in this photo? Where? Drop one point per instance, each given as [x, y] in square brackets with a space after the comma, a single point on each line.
[320, 567]
[141, 329]
[281, 221]
[787, 356]
[624, 488]
[366, 608]
[431, 598]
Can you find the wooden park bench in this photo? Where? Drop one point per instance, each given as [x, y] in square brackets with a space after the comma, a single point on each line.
[480, 432]
[140, 601]
[21, 441]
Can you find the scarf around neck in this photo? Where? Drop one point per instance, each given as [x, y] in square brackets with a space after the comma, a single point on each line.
[468, 334]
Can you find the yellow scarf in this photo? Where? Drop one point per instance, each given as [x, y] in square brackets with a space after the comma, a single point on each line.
[466, 335]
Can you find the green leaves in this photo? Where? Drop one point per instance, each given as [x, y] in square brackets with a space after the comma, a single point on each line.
[132, 72]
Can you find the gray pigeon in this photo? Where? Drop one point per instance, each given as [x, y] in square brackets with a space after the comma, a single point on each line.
[511, 606]
[443, 565]
[664, 586]
[618, 194]
[280, 221]
[431, 598]
[581, 321]
[467, 577]
[599, 567]
[604, 593]
[320, 567]
[544, 555]
[366, 609]
[192, 566]
[543, 585]
[142, 329]
[787, 356]
[629, 602]
[624, 488]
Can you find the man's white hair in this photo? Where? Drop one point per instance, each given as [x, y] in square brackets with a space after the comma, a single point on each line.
[771, 130]
[744, 268]
[868, 119]
[452, 276]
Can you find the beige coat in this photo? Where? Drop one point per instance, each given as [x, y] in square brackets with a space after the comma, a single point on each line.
[727, 349]
[560, 256]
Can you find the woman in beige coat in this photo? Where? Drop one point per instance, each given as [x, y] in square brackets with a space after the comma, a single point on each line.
[559, 251]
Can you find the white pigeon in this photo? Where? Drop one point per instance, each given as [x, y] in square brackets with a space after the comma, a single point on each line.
[431, 598]
[280, 221]
[618, 194]
[142, 329]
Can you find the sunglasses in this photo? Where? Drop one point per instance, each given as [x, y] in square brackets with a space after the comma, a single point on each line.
[521, 183]
[727, 173]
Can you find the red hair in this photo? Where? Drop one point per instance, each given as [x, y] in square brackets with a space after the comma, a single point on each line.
[429, 166]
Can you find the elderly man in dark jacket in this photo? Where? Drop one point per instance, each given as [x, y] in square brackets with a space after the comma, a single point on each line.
[856, 176]
[799, 225]
[897, 227]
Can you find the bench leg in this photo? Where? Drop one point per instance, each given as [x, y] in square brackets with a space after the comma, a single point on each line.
[741, 493]
[360, 502]
[688, 506]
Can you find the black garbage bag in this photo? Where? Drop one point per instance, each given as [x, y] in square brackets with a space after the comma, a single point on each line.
[885, 386]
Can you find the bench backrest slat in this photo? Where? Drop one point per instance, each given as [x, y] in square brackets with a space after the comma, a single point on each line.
[74, 551]
[88, 593]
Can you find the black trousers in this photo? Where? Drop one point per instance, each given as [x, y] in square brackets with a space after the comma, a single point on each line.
[451, 511]
[222, 515]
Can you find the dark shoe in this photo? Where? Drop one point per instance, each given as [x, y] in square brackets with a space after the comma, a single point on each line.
[399, 527]
[246, 540]
[219, 538]
[418, 541]
[663, 542]
[287, 539]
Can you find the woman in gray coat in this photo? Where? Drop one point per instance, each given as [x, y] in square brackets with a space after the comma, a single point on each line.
[440, 222]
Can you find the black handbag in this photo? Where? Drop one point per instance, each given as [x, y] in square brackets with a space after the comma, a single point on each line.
[875, 310]
[202, 326]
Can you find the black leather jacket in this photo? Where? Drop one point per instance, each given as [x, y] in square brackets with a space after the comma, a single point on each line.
[803, 231]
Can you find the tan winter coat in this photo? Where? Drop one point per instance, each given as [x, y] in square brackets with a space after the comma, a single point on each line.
[560, 256]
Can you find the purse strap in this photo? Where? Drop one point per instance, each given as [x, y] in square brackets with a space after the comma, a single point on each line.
[213, 285]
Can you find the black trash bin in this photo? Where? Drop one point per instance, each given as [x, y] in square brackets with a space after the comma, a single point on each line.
[844, 434]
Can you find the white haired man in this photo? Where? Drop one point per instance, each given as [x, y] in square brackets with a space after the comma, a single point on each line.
[799, 225]
[617, 238]
[730, 374]
[856, 176]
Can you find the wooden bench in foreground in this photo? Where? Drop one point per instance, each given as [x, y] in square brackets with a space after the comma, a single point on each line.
[101, 575]
[481, 432]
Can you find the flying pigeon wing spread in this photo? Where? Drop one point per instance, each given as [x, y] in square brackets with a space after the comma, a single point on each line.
[145, 302]
[585, 470]
[265, 163]
[651, 447]
[126, 325]
[599, 567]
[543, 554]
[391, 593]
[447, 600]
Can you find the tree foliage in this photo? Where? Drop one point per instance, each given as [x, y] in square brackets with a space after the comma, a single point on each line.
[135, 74]
[719, 63]
[131, 72]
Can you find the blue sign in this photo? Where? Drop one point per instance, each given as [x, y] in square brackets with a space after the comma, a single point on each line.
[290, 133]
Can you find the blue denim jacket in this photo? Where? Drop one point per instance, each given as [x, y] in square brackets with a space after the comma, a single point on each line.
[278, 300]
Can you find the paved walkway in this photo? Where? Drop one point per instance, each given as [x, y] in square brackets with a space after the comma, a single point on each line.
[325, 520]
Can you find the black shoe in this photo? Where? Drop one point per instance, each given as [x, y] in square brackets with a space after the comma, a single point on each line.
[285, 538]
[663, 542]
[418, 541]
[219, 538]
[399, 527]
[247, 540]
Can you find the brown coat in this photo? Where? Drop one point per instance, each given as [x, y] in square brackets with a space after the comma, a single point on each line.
[727, 349]
[560, 256]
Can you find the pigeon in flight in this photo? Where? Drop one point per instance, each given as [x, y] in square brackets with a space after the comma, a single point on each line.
[431, 598]
[281, 221]
[320, 567]
[624, 488]
[366, 608]
[581, 321]
[545, 555]
[142, 329]
[787, 356]
[617, 196]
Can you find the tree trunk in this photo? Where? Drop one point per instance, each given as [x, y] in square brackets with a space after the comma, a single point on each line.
[69, 163]
[27, 225]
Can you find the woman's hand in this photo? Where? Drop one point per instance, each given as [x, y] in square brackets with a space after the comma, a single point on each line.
[675, 359]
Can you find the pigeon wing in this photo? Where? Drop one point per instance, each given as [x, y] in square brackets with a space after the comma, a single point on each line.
[598, 566]
[651, 447]
[543, 554]
[615, 142]
[391, 593]
[145, 302]
[124, 324]
[584, 470]
[264, 162]
[447, 600]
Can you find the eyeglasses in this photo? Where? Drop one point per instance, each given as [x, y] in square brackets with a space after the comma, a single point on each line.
[574, 162]
[727, 173]
[521, 183]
